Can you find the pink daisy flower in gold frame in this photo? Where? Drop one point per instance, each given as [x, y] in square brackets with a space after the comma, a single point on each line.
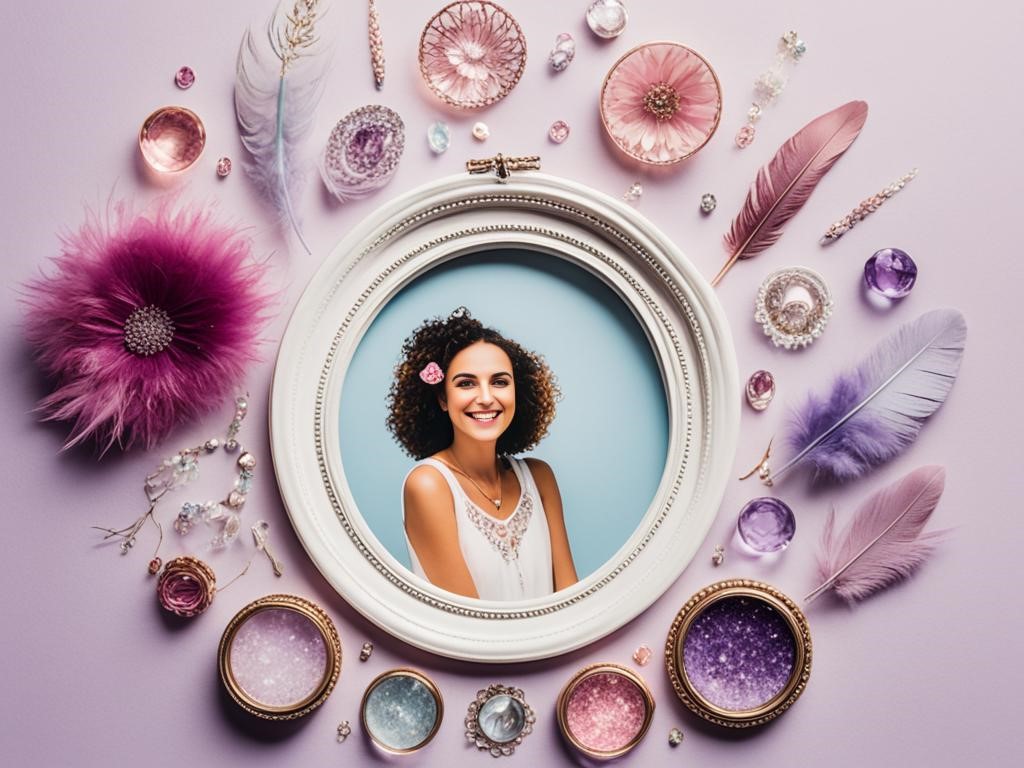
[472, 54]
[660, 103]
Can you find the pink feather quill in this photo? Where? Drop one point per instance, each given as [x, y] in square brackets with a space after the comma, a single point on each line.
[784, 184]
[883, 543]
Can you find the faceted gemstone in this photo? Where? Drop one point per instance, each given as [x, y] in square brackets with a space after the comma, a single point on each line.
[766, 524]
[675, 737]
[481, 131]
[760, 389]
[559, 131]
[439, 137]
[184, 77]
[563, 52]
[708, 202]
[745, 137]
[607, 18]
[502, 718]
[890, 272]
[642, 655]
[634, 193]
[224, 167]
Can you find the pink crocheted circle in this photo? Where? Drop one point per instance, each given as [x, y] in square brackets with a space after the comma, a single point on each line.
[472, 54]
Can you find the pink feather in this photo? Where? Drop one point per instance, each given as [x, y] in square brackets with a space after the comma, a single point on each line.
[784, 184]
[883, 543]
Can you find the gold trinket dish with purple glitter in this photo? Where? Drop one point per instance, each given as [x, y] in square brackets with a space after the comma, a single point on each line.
[739, 653]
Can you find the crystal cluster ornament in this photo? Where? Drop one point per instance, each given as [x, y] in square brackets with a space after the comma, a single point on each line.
[708, 203]
[634, 193]
[793, 307]
[185, 78]
[362, 152]
[344, 731]
[770, 84]
[760, 389]
[563, 52]
[718, 555]
[891, 273]
[766, 525]
[559, 131]
[607, 18]
[439, 137]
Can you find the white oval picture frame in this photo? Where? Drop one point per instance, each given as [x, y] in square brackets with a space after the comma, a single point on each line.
[401, 241]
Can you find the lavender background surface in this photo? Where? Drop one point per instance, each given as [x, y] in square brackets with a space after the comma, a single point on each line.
[927, 673]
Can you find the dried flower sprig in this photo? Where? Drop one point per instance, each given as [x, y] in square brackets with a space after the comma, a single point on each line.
[866, 207]
[298, 34]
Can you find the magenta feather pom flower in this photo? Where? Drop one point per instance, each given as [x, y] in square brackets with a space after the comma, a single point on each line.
[148, 321]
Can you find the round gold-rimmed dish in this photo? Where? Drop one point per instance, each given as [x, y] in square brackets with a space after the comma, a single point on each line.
[401, 711]
[739, 653]
[276, 626]
[605, 710]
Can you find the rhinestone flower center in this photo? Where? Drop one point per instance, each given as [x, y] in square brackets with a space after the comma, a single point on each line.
[148, 331]
[662, 101]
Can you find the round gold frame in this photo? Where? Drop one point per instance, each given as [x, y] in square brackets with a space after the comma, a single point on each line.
[777, 704]
[597, 669]
[332, 643]
[430, 685]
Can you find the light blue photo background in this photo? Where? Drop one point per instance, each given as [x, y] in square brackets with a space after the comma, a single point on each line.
[608, 442]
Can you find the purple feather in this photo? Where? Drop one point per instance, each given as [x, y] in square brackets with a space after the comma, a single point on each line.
[883, 543]
[876, 410]
[197, 271]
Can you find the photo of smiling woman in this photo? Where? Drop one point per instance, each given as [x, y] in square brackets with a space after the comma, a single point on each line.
[478, 521]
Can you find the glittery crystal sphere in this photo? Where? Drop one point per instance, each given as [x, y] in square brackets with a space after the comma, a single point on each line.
[766, 524]
[890, 272]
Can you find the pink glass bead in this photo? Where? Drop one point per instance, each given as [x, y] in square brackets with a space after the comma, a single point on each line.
[184, 78]
[745, 137]
[890, 272]
[760, 389]
[224, 167]
[172, 139]
[559, 131]
[642, 655]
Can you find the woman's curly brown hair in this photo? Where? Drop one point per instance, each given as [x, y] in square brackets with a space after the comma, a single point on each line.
[414, 416]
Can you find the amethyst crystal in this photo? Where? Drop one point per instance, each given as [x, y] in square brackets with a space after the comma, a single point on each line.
[766, 524]
[890, 272]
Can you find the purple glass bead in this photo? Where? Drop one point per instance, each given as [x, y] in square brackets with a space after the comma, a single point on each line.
[890, 272]
[766, 525]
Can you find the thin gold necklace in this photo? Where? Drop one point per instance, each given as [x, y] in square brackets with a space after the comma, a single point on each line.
[458, 468]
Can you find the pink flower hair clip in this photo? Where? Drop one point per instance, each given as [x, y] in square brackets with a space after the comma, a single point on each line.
[432, 373]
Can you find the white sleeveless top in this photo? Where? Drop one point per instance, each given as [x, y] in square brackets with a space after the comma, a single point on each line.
[508, 559]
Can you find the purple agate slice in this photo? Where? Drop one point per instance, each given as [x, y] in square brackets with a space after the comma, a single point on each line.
[739, 653]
